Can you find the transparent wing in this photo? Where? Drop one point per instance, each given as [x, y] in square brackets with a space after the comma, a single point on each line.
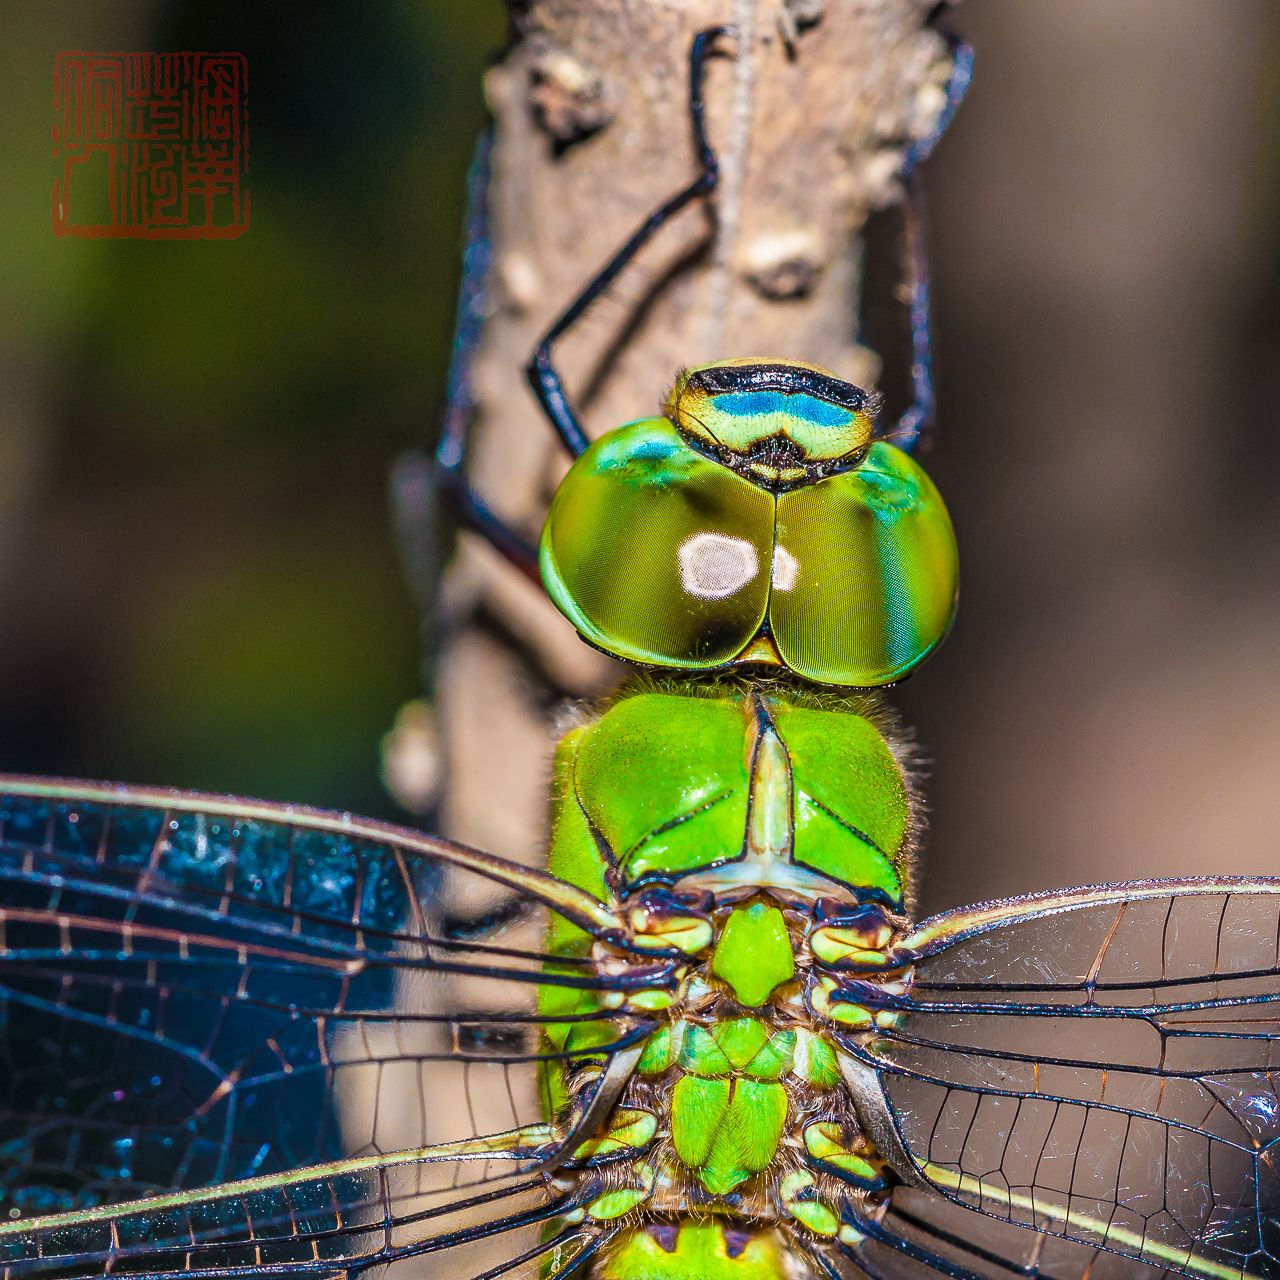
[197, 991]
[1101, 1065]
[485, 1218]
[921, 1235]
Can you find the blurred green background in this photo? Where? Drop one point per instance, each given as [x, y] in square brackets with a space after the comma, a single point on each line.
[198, 580]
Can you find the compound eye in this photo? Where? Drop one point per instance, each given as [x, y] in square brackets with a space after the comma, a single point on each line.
[873, 573]
[657, 554]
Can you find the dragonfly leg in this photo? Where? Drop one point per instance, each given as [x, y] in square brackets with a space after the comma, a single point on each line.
[575, 1260]
[918, 417]
[415, 478]
[561, 1241]
[862, 1228]
[541, 371]
[1026, 1270]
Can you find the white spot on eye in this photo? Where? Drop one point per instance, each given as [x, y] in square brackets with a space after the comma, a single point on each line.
[715, 565]
[786, 569]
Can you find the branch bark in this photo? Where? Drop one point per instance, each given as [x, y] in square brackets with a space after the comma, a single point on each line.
[810, 114]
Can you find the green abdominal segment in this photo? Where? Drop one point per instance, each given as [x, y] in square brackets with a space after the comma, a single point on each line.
[696, 1250]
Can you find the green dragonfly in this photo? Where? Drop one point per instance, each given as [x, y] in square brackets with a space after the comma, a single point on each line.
[708, 1041]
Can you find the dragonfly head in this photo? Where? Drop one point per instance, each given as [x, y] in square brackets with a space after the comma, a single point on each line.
[756, 525]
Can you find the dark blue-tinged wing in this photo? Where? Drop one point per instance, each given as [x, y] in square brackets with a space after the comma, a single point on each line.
[273, 1028]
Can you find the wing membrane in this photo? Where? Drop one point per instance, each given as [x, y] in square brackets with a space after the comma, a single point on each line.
[331, 1220]
[198, 990]
[931, 1235]
[1102, 1065]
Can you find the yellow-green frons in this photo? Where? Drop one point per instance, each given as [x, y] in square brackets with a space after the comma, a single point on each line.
[735, 414]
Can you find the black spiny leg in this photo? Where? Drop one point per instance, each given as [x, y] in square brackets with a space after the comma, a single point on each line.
[917, 419]
[449, 475]
[965, 1258]
[867, 1226]
[541, 372]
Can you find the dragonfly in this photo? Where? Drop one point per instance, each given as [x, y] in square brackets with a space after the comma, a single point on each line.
[250, 1039]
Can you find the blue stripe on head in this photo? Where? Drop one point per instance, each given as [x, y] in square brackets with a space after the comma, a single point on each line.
[759, 404]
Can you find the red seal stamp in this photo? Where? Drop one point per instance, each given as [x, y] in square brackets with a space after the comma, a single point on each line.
[153, 146]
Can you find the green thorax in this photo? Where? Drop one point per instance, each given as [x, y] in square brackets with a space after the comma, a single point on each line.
[726, 1120]
[757, 524]
[734, 787]
[731, 1084]
[759, 794]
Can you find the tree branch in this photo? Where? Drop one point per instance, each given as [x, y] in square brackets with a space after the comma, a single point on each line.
[811, 113]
